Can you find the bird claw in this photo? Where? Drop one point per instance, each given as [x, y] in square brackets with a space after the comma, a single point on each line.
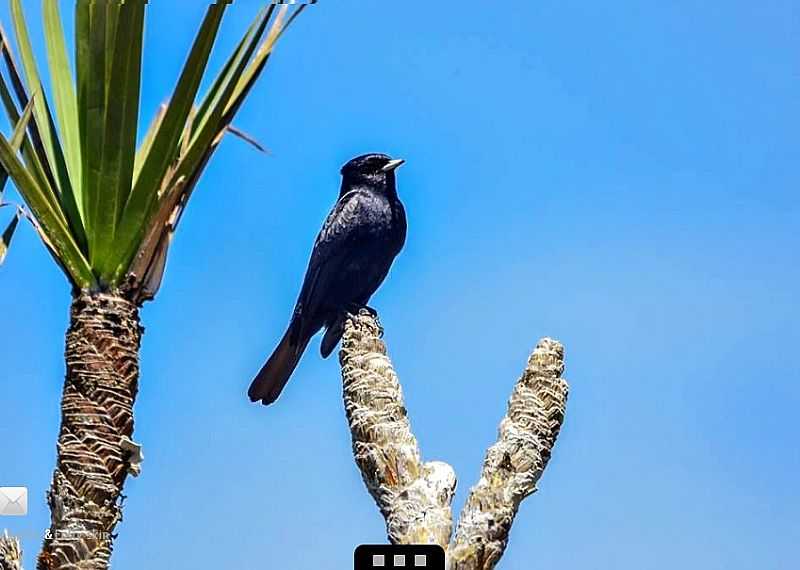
[374, 314]
[358, 309]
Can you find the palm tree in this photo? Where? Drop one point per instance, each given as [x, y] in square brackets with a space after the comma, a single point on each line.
[107, 212]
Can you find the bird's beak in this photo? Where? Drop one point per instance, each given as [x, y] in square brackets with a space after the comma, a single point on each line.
[392, 164]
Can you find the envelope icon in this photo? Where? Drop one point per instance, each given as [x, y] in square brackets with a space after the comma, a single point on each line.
[13, 501]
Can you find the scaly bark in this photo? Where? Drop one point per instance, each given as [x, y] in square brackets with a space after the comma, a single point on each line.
[95, 452]
[515, 463]
[414, 497]
[10, 553]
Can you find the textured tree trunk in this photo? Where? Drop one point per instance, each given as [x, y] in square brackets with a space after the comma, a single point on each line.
[95, 452]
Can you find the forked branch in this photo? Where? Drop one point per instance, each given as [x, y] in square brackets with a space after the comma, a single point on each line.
[414, 497]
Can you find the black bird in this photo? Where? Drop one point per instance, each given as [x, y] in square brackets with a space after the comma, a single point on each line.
[352, 255]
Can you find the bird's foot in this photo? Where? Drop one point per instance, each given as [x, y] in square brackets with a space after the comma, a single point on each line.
[374, 314]
[355, 309]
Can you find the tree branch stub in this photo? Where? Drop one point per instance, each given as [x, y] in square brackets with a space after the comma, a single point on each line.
[414, 497]
[514, 464]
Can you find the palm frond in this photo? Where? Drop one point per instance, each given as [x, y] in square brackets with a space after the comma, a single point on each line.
[44, 121]
[165, 142]
[107, 210]
[64, 96]
[119, 137]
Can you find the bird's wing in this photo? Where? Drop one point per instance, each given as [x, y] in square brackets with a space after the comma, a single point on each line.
[346, 226]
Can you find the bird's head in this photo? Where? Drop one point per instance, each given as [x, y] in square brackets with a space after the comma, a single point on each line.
[375, 170]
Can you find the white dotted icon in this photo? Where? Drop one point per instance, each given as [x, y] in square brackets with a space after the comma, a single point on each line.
[399, 557]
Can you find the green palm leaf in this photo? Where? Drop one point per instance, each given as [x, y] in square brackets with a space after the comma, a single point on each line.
[64, 95]
[119, 138]
[106, 210]
[165, 141]
[50, 219]
[44, 119]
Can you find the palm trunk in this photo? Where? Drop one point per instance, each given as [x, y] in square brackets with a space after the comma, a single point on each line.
[94, 445]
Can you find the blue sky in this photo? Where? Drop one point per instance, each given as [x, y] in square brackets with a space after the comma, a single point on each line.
[621, 176]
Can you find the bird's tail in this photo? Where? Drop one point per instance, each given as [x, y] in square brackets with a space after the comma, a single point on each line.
[274, 375]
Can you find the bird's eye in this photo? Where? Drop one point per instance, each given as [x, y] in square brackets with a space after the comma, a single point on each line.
[371, 165]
